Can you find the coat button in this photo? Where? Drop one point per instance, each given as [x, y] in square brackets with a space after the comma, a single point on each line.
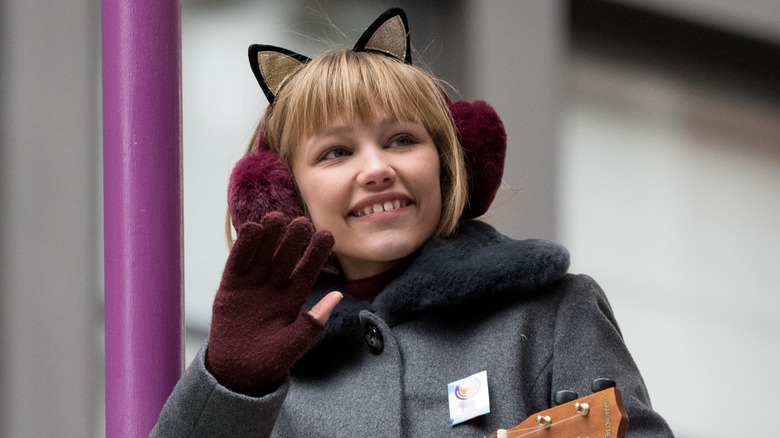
[373, 338]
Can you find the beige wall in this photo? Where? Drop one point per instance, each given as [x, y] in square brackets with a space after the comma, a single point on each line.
[669, 194]
[49, 218]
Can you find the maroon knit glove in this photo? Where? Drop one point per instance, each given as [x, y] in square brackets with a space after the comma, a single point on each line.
[257, 329]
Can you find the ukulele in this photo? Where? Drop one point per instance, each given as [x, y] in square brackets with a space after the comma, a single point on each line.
[600, 414]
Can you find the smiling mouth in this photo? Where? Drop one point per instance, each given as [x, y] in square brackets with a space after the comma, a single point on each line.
[380, 207]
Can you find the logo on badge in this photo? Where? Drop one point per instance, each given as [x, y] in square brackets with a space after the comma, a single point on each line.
[468, 387]
[468, 398]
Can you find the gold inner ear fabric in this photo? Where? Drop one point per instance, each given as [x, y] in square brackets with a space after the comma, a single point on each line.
[390, 38]
[275, 68]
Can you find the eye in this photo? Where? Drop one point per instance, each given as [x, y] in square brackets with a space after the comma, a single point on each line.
[403, 140]
[334, 153]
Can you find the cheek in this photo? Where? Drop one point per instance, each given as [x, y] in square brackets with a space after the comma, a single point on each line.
[304, 190]
[430, 176]
[319, 199]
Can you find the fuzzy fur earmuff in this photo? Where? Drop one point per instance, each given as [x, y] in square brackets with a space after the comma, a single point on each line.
[483, 139]
[261, 182]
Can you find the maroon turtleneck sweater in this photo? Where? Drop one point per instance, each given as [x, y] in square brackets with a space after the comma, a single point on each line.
[366, 289]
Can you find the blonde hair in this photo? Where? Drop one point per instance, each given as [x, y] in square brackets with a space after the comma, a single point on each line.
[354, 87]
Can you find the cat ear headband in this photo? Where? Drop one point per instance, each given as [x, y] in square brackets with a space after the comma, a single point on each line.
[261, 182]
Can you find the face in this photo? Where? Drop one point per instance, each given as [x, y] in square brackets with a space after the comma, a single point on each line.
[375, 187]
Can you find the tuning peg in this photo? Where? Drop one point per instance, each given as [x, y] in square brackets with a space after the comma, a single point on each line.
[564, 396]
[582, 408]
[602, 384]
[545, 421]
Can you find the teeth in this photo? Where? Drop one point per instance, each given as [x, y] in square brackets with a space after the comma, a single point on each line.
[378, 208]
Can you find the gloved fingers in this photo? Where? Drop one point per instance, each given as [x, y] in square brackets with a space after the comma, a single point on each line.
[273, 226]
[241, 255]
[311, 262]
[289, 251]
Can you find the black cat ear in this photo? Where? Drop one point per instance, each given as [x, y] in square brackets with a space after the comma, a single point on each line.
[389, 35]
[272, 66]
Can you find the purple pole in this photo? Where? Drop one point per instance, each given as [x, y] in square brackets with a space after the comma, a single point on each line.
[142, 181]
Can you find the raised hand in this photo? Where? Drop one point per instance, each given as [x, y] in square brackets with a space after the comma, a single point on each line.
[258, 330]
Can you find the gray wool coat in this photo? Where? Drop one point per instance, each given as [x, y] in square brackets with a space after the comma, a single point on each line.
[478, 301]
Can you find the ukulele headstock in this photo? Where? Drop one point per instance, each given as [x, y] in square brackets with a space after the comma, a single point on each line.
[600, 414]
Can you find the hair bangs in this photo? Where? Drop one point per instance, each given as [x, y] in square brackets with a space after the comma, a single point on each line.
[360, 87]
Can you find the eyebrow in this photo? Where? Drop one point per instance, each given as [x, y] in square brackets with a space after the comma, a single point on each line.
[342, 129]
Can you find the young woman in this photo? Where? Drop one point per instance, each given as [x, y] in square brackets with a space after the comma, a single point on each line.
[359, 285]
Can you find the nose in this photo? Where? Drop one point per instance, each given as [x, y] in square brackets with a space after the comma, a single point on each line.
[376, 171]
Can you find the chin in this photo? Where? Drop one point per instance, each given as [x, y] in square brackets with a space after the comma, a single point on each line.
[386, 250]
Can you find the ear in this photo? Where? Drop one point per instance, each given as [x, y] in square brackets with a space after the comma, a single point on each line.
[389, 35]
[272, 66]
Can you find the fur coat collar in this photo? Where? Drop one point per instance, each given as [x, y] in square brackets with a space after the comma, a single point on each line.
[478, 263]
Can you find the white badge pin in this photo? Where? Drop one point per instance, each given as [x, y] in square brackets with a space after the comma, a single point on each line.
[468, 398]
